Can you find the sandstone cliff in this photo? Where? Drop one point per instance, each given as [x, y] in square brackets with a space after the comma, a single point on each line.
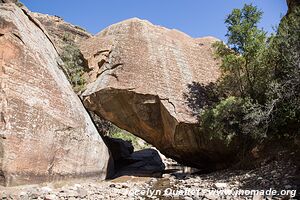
[143, 74]
[60, 31]
[45, 132]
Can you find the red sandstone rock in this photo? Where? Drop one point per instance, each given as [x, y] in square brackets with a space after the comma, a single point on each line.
[60, 31]
[142, 74]
[45, 132]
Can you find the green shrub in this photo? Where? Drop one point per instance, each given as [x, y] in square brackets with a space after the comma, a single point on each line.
[231, 118]
[284, 55]
[75, 65]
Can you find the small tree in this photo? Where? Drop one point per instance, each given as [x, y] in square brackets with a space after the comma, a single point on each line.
[243, 81]
[263, 76]
[241, 66]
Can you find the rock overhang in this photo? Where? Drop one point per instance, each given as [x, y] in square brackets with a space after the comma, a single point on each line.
[142, 81]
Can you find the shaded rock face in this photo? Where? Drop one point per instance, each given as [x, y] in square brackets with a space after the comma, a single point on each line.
[60, 31]
[120, 149]
[45, 132]
[146, 163]
[143, 75]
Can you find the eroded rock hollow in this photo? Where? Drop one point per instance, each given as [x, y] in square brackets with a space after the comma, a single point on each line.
[142, 76]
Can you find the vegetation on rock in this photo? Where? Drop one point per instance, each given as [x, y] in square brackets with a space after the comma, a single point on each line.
[75, 65]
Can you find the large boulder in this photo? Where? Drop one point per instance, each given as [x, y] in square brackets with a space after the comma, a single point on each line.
[45, 132]
[145, 78]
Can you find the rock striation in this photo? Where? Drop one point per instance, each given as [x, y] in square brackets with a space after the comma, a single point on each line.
[45, 132]
[144, 77]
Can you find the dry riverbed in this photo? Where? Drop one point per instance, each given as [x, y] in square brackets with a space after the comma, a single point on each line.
[277, 175]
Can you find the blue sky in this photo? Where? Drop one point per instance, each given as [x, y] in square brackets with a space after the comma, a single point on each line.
[197, 18]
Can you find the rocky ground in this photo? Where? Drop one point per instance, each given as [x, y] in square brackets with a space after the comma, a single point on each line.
[278, 174]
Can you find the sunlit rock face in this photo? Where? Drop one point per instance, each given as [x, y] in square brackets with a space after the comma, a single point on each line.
[45, 132]
[61, 32]
[145, 80]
